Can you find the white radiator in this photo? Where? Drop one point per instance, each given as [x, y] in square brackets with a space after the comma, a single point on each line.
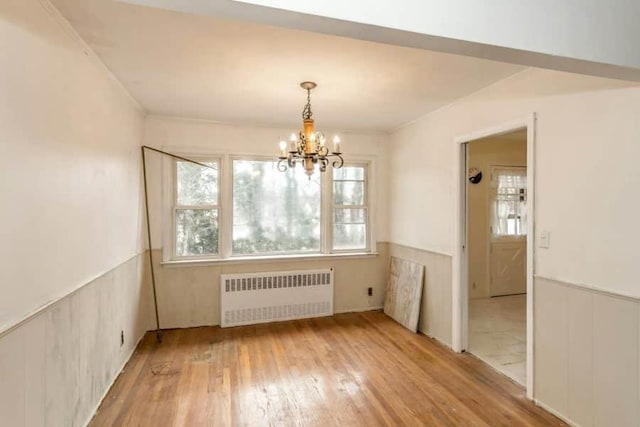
[268, 297]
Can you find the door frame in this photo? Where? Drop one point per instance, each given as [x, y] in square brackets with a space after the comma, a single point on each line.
[460, 261]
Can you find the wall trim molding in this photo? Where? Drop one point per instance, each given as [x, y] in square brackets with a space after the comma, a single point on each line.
[589, 288]
[358, 310]
[43, 308]
[554, 412]
[431, 251]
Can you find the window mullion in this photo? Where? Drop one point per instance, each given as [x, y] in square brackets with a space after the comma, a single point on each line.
[226, 229]
[326, 200]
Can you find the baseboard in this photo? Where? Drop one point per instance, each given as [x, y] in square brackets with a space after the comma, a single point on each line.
[436, 339]
[358, 310]
[348, 310]
[555, 413]
[108, 389]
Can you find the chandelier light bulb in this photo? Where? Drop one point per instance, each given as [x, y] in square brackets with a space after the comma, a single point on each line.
[293, 142]
[336, 144]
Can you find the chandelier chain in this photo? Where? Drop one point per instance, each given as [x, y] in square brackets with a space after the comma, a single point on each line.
[306, 112]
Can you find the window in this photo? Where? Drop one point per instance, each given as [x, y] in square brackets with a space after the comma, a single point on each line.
[509, 204]
[196, 212]
[274, 212]
[241, 207]
[349, 208]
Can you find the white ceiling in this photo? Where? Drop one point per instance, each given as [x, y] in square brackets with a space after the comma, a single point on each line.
[236, 72]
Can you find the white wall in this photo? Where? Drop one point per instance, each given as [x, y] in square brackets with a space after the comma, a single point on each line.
[587, 135]
[72, 265]
[69, 169]
[585, 171]
[190, 295]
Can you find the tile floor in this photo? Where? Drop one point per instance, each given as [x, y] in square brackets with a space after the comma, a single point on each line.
[498, 333]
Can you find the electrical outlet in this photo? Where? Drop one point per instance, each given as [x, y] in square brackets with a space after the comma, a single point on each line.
[370, 291]
[121, 338]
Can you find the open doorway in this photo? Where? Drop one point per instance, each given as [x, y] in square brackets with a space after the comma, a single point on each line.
[496, 200]
[462, 287]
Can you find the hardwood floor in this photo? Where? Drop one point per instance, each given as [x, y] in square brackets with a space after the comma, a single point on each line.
[346, 370]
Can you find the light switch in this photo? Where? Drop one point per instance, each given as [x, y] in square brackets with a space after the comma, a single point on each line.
[543, 240]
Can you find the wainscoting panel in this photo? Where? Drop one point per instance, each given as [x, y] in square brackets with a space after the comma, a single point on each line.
[587, 357]
[615, 361]
[57, 365]
[580, 369]
[435, 311]
[190, 295]
[551, 346]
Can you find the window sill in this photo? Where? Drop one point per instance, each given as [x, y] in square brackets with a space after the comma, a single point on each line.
[267, 259]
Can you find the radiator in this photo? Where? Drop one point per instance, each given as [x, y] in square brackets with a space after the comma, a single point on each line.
[251, 298]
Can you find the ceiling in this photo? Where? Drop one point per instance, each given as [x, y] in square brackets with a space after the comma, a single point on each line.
[236, 72]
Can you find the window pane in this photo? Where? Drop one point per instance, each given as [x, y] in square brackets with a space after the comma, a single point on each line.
[349, 216]
[197, 185]
[349, 173]
[510, 203]
[348, 192]
[196, 232]
[274, 212]
[349, 236]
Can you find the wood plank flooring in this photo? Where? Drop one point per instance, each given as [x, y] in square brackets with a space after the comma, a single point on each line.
[346, 370]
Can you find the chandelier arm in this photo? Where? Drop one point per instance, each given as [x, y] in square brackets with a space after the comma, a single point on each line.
[323, 164]
[323, 151]
[282, 166]
[339, 162]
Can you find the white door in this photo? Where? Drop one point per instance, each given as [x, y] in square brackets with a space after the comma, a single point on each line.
[508, 231]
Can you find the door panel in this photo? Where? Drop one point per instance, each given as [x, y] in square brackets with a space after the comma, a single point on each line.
[508, 266]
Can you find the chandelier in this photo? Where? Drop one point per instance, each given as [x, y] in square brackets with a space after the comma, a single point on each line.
[309, 146]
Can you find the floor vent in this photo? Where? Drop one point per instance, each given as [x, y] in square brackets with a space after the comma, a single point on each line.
[268, 297]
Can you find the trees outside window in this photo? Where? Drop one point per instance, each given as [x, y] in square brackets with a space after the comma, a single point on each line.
[262, 211]
[196, 209]
[349, 208]
[274, 212]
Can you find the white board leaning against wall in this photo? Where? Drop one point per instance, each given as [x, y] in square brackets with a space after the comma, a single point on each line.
[404, 292]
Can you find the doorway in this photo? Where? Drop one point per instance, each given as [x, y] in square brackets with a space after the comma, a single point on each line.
[496, 200]
[462, 290]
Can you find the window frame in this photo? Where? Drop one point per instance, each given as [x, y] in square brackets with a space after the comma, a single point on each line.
[225, 210]
[172, 195]
[365, 206]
